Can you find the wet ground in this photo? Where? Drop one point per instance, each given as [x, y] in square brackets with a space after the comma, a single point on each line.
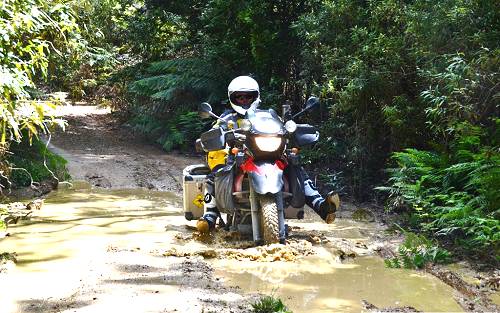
[95, 250]
[119, 242]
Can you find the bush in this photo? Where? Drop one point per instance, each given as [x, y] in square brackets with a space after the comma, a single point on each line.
[35, 163]
[269, 304]
[416, 252]
[178, 133]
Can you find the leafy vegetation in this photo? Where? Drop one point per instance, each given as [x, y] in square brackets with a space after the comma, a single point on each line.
[25, 29]
[453, 194]
[416, 252]
[269, 304]
[35, 163]
[31, 33]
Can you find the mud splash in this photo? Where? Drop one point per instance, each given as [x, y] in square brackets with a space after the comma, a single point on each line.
[244, 251]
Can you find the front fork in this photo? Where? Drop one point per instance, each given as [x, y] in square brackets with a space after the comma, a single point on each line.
[255, 208]
[281, 216]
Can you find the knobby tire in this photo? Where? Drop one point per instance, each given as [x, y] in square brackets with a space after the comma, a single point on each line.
[269, 220]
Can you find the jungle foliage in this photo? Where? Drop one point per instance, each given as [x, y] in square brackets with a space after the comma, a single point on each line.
[29, 31]
[452, 194]
[407, 85]
[32, 34]
[45, 46]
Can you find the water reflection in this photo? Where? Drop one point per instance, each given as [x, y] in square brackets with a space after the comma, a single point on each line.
[322, 285]
[79, 218]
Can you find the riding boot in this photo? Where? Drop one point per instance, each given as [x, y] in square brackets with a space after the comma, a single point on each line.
[207, 222]
[328, 206]
[324, 207]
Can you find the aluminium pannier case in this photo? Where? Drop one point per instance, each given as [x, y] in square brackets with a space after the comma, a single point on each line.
[193, 188]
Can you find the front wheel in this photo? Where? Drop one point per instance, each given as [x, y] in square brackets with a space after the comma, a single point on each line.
[269, 219]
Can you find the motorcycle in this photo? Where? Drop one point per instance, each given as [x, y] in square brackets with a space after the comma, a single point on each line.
[261, 182]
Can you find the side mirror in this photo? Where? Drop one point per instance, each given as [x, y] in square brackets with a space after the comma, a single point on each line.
[311, 103]
[205, 110]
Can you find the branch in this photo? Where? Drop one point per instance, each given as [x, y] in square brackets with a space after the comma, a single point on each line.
[25, 170]
[45, 163]
[45, 159]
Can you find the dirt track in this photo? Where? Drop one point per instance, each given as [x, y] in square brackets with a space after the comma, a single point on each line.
[106, 154]
[150, 279]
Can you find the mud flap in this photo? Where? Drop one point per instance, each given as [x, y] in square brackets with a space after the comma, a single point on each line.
[224, 178]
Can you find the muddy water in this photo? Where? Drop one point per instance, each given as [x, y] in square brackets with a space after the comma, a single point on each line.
[55, 249]
[315, 284]
[74, 222]
[322, 283]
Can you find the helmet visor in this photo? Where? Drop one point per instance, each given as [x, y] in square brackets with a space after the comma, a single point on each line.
[244, 99]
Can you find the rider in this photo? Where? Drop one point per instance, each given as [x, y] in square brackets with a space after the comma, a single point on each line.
[243, 93]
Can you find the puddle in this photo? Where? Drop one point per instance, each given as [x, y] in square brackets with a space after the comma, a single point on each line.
[73, 228]
[73, 222]
[495, 298]
[320, 284]
[76, 225]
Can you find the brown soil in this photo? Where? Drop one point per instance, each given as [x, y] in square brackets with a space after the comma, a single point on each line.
[105, 153]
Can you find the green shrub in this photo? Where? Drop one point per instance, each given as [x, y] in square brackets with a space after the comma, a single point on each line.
[180, 132]
[416, 252]
[269, 304]
[30, 159]
[452, 195]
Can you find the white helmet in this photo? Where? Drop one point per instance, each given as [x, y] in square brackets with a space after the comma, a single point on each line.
[244, 84]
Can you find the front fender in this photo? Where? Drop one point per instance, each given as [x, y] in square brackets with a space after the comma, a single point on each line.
[266, 177]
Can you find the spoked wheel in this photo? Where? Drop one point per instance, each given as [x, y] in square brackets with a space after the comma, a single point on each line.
[269, 220]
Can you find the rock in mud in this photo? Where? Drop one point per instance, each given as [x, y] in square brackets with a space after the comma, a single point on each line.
[208, 253]
[7, 261]
[33, 191]
[98, 180]
[11, 213]
[363, 215]
[35, 204]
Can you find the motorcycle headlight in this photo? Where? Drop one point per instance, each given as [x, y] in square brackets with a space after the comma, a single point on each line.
[268, 144]
[290, 126]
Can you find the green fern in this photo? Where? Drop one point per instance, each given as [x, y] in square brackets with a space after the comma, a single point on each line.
[417, 251]
[180, 80]
[178, 133]
[451, 195]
